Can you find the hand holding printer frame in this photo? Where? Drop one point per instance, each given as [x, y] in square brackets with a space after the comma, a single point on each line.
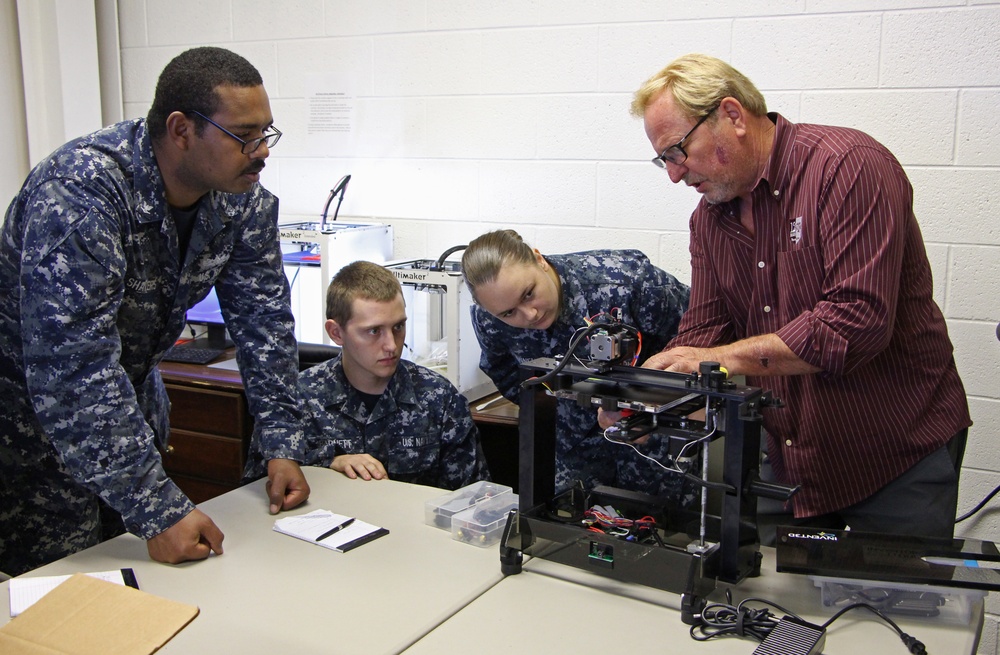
[765, 354]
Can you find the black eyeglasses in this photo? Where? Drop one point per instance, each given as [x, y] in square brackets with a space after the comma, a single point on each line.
[676, 154]
[271, 138]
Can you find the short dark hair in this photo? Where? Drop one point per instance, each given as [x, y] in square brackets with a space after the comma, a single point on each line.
[361, 279]
[189, 81]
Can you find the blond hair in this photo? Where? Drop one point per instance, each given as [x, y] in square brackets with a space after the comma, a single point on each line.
[698, 84]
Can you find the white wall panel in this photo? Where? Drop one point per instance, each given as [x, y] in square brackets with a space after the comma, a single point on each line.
[14, 166]
[191, 22]
[813, 52]
[978, 128]
[60, 72]
[934, 48]
[917, 126]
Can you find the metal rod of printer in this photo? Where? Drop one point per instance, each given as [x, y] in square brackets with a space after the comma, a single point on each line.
[704, 495]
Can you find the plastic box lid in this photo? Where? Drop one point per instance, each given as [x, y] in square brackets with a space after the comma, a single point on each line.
[438, 511]
[482, 524]
[926, 602]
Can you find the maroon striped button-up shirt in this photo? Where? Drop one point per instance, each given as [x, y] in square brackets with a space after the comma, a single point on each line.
[837, 269]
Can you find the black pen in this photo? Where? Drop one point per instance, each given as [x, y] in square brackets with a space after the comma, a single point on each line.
[334, 530]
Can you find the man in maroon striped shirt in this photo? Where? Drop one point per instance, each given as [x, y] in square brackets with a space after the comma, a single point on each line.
[809, 276]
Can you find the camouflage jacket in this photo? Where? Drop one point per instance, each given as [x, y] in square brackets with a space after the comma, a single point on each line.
[421, 429]
[592, 282]
[94, 291]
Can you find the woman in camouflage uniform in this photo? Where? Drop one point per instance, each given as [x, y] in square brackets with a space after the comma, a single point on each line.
[529, 306]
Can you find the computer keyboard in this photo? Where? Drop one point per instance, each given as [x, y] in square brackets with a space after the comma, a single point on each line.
[192, 354]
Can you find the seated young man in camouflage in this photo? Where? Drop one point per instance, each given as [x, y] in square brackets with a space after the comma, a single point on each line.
[373, 416]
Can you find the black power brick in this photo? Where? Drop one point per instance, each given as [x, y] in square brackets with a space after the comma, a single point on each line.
[793, 637]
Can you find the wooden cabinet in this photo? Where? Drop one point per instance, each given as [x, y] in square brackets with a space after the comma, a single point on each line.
[210, 429]
[498, 433]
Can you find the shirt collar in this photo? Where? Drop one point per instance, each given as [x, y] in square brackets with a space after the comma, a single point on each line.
[569, 288]
[401, 387]
[150, 194]
[777, 173]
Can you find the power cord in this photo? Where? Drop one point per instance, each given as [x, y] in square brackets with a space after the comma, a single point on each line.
[726, 619]
[194, 335]
[981, 505]
[912, 644]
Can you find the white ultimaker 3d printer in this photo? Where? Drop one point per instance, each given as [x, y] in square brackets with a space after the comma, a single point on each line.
[439, 324]
[314, 251]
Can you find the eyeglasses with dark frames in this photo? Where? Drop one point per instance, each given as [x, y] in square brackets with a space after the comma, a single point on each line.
[271, 138]
[676, 154]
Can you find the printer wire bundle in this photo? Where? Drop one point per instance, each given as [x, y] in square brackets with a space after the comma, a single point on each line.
[609, 521]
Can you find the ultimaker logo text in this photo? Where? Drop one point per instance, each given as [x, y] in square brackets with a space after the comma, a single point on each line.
[410, 276]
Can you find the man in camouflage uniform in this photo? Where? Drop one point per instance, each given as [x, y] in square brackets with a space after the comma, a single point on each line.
[110, 240]
[590, 283]
[374, 416]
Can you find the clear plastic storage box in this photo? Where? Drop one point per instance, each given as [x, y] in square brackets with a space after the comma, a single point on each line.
[438, 511]
[482, 525]
[926, 602]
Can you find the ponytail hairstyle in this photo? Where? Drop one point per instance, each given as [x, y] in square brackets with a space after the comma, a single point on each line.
[488, 253]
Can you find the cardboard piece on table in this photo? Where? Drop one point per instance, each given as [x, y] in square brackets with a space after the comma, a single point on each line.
[85, 616]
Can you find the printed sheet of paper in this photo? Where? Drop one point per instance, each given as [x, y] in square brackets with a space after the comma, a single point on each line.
[25, 592]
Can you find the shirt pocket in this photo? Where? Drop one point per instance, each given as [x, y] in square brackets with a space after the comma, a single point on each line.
[800, 281]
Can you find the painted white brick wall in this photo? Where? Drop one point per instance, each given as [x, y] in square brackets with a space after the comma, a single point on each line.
[475, 115]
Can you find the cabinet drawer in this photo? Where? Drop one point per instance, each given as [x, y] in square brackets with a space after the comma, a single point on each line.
[219, 459]
[208, 411]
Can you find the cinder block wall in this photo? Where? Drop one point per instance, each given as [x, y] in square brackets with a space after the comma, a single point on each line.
[473, 115]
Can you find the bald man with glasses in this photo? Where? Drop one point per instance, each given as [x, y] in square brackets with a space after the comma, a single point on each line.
[109, 242]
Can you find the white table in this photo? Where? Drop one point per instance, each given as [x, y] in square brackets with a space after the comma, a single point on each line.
[553, 608]
[418, 590]
[271, 593]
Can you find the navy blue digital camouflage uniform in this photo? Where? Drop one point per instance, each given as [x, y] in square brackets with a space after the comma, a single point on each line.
[93, 294]
[596, 281]
[421, 428]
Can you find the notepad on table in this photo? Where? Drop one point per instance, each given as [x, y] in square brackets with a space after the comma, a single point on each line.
[310, 527]
[24, 592]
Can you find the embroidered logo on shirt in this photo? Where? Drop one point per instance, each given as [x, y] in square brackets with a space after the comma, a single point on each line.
[795, 230]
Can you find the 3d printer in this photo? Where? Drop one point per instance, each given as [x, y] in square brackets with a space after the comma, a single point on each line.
[684, 552]
[439, 322]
